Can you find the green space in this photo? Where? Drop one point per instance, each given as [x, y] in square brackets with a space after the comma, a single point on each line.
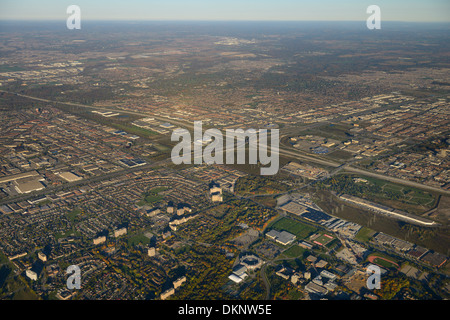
[129, 128]
[364, 234]
[294, 251]
[138, 238]
[69, 232]
[340, 155]
[324, 240]
[3, 258]
[219, 225]
[73, 214]
[334, 131]
[384, 263]
[408, 194]
[255, 169]
[432, 238]
[382, 260]
[158, 189]
[161, 148]
[14, 286]
[10, 68]
[152, 196]
[25, 294]
[390, 194]
[391, 286]
[259, 185]
[300, 230]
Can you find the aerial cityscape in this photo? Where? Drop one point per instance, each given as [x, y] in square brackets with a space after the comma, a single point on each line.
[88, 180]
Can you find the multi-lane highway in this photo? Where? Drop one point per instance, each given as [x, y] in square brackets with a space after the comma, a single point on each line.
[292, 153]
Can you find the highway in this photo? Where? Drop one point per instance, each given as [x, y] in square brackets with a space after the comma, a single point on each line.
[283, 150]
[173, 121]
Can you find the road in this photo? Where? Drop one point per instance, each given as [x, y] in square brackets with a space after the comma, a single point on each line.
[173, 121]
[283, 150]
[70, 185]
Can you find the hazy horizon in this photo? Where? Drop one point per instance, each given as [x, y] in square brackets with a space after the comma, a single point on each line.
[232, 10]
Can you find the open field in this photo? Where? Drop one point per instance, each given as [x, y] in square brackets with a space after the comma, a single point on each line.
[294, 251]
[432, 238]
[364, 234]
[382, 260]
[297, 228]
[324, 239]
[397, 196]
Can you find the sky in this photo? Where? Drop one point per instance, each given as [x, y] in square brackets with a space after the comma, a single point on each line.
[259, 10]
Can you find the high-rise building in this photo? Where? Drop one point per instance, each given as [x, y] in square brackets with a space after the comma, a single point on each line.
[42, 257]
[180, 210]
[151, 251]
[31, 274]
[179, 282]
[120, 232]
[170, 207]
[167, 293]
[99, 240]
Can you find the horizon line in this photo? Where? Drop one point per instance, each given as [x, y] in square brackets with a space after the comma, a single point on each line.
[206, 20]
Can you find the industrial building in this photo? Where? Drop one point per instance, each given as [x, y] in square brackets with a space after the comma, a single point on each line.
[27, 186]
[120, 232]
[69, 176]
[31, 274]
[99, 240]
[282, 237]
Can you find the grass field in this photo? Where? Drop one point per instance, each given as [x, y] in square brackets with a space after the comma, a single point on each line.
[294, 251]
[324, 240]
[408, 195]
[134, 130]
[73, 214]
[393, 195]
[333, 131]
[152, 196]
[383, 260]
[364, 234]
[297, 228]
[135, 239]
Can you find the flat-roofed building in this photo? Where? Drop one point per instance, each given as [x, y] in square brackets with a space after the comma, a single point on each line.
[282, 237]
[170, 207]
[152, 212]
[215, 189]
[120, 232]
[167, 293]
[99, 240]
[31, 274]
[69, 176]
[151, 251]
[180, 211]
[216, 197]
[435, 259]
[327, 274]
[18, 176]
[294, 208]
[251, 262]
[42, 257]
[28, 186]
[177, 283]
[233, 277]
[312, 287]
